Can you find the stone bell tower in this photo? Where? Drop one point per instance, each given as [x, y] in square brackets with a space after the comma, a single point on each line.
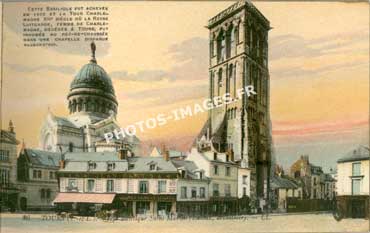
[239, 57]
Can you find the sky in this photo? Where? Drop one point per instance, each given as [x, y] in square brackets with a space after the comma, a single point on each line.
[157, 57]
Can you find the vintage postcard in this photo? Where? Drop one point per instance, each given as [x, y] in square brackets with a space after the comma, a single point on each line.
[184, 116]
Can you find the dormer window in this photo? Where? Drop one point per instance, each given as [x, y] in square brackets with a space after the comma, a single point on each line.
[183, 173]
[92, 165]
[111, 166]
[200, 175]
[153, 166]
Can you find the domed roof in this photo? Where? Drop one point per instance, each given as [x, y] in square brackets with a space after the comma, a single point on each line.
[94, 76]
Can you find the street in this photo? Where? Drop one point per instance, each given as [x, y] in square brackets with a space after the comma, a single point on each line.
[12, 223]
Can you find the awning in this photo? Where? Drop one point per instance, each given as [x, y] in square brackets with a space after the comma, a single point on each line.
[99, 198]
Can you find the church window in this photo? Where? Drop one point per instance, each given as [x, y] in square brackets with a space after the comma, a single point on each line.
[219, 83]
[87, 105]
[229, 42]
[79, 106]
[231, 81]
[236, 34]
[221, 47]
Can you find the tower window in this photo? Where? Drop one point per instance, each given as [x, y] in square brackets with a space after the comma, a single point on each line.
[221, 47]
[219, 83]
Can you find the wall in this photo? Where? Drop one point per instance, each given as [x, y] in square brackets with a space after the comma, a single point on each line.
[11, 164]
[344, 181]
[121, 185]
[243, 172]
[190, 184]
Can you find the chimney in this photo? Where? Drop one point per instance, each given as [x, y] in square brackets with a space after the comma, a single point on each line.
[11, 127]
[166, 155]
[123, 152]
[62, 163]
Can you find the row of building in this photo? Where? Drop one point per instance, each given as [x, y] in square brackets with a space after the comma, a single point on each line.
[229, 169]
[168, 181]
[164, 182]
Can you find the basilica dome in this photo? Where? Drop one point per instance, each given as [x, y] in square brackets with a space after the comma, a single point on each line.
[92, 75]
[91, 91]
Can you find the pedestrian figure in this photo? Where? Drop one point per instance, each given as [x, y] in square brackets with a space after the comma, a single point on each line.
[264, 209]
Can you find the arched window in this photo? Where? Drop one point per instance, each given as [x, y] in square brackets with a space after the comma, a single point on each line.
[212, 84]
[221, 47]
[70, 147]
[219, 82]
[229, 41]
[232, 43]
[79, 105]
[213, 45]
[236, 34]
[230, 84]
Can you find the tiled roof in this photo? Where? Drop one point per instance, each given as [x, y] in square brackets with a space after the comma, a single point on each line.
[61, 121]
[98, 166]
[92, 156]
[172, 153]
[44, 158]
[8, 137]
[280, 182]
[360, 153]
[141, 164]
[79, 162]
[316, 169]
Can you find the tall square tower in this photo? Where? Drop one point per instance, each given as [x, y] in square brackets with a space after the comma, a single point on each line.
[239, 57]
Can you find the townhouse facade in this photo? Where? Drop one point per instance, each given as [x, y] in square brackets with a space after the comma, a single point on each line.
[192, 189]
[223, 174]
[8, 168]
[134, 186]
[37, 178]
[353, 183]
[315, 183]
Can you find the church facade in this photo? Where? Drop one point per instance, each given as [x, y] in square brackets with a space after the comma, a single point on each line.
[93, 108]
